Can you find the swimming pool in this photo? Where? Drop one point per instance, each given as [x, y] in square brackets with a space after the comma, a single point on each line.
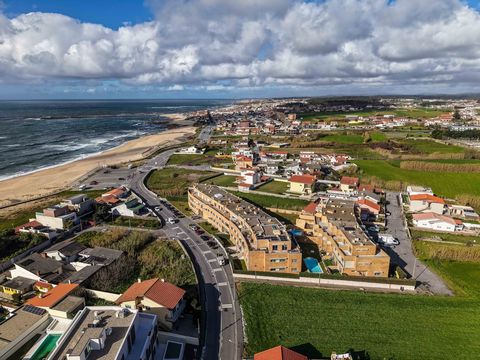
[46, 347]
[312, 265]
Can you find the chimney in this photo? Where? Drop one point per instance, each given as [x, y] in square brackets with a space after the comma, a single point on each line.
[139, 280]
[162, 280]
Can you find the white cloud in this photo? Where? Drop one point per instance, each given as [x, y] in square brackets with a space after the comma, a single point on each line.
[220, 44]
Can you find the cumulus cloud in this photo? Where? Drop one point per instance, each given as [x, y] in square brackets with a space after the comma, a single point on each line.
[223, 44]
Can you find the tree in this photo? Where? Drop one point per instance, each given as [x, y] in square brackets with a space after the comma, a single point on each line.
[102, 212]
[456, 115]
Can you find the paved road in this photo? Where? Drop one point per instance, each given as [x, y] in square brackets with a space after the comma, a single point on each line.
[402, 254]
[221, 332]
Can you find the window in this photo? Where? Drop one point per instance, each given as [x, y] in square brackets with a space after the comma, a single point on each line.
[284, 247]
[275, 247]
[377, 273]
[294, 260]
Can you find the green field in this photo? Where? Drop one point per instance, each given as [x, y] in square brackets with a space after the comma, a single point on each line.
[462, 239]
[430, 147]
[274, 187]
[222, 180]
[273, 201]
[174, 182]
[343, 138]
[377, 326]
[443, 183]
[423, 113]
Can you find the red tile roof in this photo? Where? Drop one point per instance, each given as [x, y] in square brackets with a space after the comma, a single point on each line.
[347, 180]
[107, 199]
[304, 179]
[279, 353]
[428, 198]
[311, 208]
[434, 216]
[161, 292]
[115, 192]
[31, 224]
[370, 204]
[53, 296]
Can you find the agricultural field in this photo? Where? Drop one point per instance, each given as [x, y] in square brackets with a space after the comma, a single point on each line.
[274, 187]
[343, 138]
[425, 146]
[422, 113]
[448, 184]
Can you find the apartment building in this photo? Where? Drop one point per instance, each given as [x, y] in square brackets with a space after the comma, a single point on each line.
[261, 240]
[108, 332]
[333, 225]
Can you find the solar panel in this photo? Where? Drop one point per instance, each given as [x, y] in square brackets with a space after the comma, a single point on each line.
[34, 310]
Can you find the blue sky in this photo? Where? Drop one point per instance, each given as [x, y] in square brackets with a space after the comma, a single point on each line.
[231, 48]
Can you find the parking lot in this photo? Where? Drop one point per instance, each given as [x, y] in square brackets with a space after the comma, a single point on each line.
[108, 178]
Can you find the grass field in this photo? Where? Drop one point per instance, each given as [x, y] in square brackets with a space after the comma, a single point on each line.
[423, 113]
[462, 239]
[198, 159]
[274, 187]
[343, 138]
[273, 201]
[174, 182]
[425, 146]
[443, 183]
[222, 180]
[377, 326]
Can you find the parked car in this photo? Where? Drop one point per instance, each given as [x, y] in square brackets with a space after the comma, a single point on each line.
[388, 240]
[171, 220]
[192, 227]
[205, 237]
[93, 182]
[158, 208]
[373, 229]
[199, 231]
[221, 259]
[212, 244]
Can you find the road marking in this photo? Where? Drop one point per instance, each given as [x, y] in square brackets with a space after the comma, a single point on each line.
[222, 284]
[175, 228]
[206, 252]
[226, 306]
[212, 260]
[217, 269]
[181, 233]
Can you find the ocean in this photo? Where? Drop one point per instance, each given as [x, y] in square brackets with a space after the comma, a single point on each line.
[40, 134]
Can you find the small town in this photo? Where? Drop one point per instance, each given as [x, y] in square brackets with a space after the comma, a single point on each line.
[153, 257]
[239, 180]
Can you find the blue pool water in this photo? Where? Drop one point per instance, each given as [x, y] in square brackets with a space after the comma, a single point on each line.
[312, 265]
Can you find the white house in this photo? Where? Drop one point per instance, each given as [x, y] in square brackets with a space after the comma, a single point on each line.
[418, 190]
[57, 217]
[427, 203]
[437, 222]
[129, 208]
[190, 150]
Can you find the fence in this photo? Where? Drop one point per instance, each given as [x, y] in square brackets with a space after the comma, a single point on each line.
[102, 295]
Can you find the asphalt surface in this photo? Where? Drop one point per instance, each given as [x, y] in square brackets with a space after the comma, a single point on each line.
[402, 254]
[221, 334]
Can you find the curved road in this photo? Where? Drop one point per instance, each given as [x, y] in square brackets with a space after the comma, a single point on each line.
[221, 334]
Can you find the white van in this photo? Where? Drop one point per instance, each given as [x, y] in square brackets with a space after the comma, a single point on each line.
[387, 239]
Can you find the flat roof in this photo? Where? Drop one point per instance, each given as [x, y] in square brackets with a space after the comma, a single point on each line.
[19, 323]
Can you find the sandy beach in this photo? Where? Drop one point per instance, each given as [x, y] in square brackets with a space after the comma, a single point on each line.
[47, 181]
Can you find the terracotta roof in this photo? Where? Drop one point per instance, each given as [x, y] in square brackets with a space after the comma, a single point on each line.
[347, 180]
[115, 192]
[434, 216]
[279, 353]
[311, 208]
[366, 187]
[53, 296]
[161, 292]
[107, 199]
[304, 179]
[428, 198]
[31, 224]
[43, 284]
[369, 203]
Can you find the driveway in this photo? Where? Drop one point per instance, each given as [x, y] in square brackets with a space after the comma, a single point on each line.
[402, 254]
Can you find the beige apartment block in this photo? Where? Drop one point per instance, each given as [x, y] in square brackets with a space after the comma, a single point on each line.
[261, 240]
[333, 225]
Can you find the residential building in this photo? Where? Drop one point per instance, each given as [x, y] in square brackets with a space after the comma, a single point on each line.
[131, 208]
[426, 203]
[242, 162]
[279, 353]
[15, 288]
[368, 206]
[67, 251]
[113, 197]
[22, 325]
[260, 239]
[60, 301]
[349, 184]
[302, 184]
[437, 222]
[37, 267]
[108, 332]
[190, 150]
[81, 204]
[58, 217]
[418, 190]
[157, 297]
[333, 225]
[35, 227]
[462, 211]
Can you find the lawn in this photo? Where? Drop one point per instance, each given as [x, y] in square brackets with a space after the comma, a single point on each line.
[175, 182]
[274, 187]
[377, 326]
[449, 184]
[423, 113]
[463, 239]
[273, 201]
[430, 147]
[198, 159]
[222, 180]
[343, 138]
